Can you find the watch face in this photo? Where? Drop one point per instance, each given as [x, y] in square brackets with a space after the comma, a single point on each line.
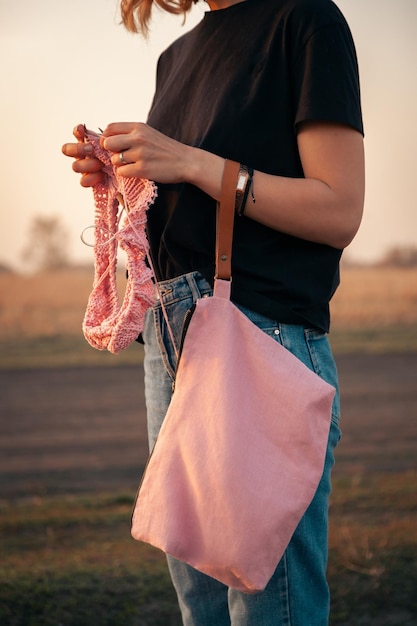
[241, 181]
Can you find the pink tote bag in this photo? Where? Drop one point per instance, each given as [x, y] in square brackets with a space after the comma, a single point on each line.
[241, 451]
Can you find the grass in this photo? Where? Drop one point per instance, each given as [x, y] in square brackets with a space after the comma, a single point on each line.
[73, 350]
[70, 561]
[375, 297]
[376, 340]
[374, 310]
[373, 547]
[60, 351]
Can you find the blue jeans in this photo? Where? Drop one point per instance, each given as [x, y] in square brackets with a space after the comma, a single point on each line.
[297, 594]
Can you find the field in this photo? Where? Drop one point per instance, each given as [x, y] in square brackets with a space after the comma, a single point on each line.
[73, 445]
[374, 310]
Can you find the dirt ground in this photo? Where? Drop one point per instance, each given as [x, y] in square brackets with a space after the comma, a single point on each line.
[81, 430]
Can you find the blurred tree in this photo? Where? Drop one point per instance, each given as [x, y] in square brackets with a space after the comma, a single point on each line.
[400, 256]
[5, 268]
[48, 244]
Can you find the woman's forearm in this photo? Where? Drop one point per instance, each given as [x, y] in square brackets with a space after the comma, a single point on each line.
[325, 206]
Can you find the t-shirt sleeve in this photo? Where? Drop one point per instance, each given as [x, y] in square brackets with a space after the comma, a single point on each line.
[326, 84]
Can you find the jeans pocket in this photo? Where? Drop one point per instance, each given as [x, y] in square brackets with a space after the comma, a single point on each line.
[266, 324]
[176, 313]
[324, 364]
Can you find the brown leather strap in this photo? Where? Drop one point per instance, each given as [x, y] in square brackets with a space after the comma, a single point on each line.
[225, 221]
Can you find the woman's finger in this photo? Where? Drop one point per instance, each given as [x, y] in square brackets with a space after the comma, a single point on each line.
[77, 150]
[119, 159]
[120, 128]
[79, 132]
[86, 166]
[120, 136]
[89, 180]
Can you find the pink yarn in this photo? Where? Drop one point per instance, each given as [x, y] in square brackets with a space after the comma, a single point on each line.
[107, 325]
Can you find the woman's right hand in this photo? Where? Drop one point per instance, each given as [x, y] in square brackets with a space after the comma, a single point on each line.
[85, 164]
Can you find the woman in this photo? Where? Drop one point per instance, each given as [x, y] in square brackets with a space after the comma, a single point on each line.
[272, 84]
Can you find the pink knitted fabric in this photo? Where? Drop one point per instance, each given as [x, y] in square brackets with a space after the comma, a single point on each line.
[107, 325]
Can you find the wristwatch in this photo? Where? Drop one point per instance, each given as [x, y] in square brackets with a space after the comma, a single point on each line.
[244, 181]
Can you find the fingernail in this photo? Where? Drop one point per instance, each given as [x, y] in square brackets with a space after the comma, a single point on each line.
[79, 131]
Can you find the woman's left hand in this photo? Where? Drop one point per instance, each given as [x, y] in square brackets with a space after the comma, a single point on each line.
[144, 152]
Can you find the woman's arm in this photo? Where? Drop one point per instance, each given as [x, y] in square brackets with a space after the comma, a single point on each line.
[325, 206]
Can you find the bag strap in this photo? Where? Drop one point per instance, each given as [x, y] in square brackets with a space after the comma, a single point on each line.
[225, 221]
[224, 239]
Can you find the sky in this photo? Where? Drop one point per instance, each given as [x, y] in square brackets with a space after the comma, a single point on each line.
[69, 62]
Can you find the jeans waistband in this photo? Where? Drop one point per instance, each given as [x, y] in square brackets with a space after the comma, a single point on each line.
[194, 285]
[182, 286]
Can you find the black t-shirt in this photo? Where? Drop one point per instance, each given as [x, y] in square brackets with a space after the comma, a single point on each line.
[238, 85]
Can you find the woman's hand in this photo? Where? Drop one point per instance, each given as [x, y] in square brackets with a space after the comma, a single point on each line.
[147, 153]
[85, 164]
